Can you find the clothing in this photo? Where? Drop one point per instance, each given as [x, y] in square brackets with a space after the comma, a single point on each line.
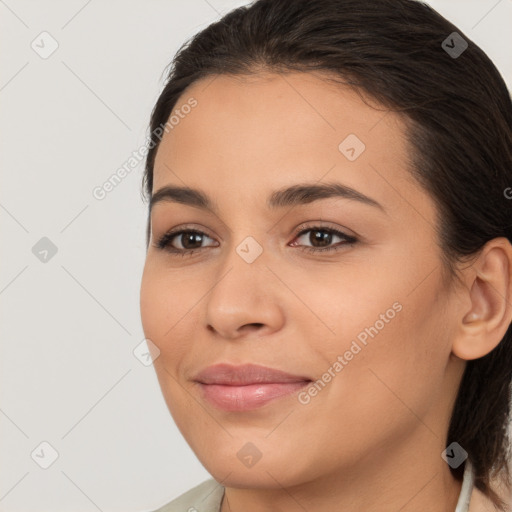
[207, 496]
[468, 483]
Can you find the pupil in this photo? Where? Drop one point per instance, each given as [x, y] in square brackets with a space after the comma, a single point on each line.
[191, 237]
[324, 239]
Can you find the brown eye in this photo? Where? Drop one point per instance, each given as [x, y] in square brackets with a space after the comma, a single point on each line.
[190, 240]
[321, 238]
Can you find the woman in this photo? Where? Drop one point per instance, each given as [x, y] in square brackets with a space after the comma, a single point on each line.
[328, 280]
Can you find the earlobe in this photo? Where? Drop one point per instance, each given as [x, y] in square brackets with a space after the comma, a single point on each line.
[490, 293]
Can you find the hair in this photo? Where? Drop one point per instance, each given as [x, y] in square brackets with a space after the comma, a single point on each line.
[458, 113]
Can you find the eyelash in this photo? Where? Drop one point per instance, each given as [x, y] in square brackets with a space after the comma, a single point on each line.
[164, 242]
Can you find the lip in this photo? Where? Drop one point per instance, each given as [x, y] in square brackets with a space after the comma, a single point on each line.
[231, 375]
[245, 387]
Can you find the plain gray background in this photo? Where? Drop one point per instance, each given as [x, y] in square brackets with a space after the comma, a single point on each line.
[71, 320]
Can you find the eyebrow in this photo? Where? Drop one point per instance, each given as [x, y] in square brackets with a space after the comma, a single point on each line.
[302, 193]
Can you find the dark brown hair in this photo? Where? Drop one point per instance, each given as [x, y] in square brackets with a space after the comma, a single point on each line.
[459, 116]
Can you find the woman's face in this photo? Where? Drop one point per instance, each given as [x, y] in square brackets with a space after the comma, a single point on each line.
[368, 324]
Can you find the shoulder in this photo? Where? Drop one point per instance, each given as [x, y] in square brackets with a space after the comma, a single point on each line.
[206, 497]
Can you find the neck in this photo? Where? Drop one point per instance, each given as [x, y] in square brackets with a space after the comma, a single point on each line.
[406, 477]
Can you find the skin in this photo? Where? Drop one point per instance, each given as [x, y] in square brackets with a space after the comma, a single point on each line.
[372, 438]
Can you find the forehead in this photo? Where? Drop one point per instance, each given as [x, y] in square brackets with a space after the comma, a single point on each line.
[276, 129]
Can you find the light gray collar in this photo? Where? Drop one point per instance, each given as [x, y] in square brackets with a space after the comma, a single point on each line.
[468, 481]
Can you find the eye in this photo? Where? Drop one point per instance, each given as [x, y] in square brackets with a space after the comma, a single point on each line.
[323, 237]
[189, 239]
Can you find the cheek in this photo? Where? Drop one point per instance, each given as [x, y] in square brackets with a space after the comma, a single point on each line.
[394, 343]
[164, 306]
[161, 307]
[382, 393]
[170, 301]
[401, 363]
[166, 300]
[152, 307]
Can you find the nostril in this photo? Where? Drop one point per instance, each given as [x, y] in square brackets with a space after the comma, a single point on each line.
[252, 327]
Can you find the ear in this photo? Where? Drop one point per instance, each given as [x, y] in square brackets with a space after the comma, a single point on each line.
[489, 292]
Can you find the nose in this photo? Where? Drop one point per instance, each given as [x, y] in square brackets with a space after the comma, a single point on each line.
[245, 300]
[245, 328]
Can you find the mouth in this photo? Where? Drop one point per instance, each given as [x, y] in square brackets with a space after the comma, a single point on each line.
[250, 396]
[246, 387]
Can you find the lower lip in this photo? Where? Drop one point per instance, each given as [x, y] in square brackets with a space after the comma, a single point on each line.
[252, 396]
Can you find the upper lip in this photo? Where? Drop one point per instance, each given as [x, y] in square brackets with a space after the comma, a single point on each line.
[230, 375]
